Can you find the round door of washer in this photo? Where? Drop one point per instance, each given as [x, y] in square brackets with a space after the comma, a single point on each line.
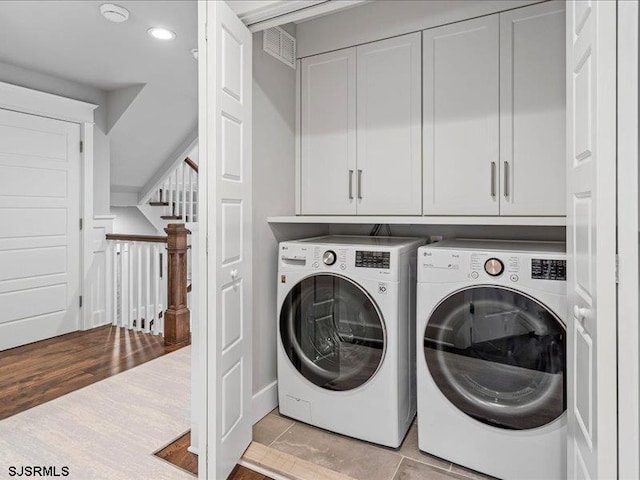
[498, 356]
[333, 332]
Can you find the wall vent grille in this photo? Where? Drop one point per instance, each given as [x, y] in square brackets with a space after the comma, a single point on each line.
[280, 44]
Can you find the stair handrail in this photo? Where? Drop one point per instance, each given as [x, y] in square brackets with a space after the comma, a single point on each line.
[125, 237]
[192, 164]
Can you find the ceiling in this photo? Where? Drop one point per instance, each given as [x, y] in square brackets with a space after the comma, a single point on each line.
[151, 85]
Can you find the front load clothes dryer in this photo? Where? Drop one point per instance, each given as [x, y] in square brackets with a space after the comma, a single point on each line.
[346, 345]
[491, 346]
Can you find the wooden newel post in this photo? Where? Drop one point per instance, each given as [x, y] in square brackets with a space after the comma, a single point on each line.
[177, 315]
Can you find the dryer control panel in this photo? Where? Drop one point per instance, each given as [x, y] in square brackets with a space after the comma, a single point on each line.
[545, 271]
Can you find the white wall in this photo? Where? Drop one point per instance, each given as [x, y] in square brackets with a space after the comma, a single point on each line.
[66, 88]
[388, 18]
[131, 221]
[273, 194]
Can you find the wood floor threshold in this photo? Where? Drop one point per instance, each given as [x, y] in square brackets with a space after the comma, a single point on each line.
[177, 453]
[286, 466]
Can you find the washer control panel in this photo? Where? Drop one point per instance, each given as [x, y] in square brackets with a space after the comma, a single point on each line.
[368, 259]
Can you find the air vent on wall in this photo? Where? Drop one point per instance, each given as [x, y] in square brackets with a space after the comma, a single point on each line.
[280, 44]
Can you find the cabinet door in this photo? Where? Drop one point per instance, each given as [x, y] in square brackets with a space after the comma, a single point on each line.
[328, 143]
[388, 177]
[532, 110]
[460, 95]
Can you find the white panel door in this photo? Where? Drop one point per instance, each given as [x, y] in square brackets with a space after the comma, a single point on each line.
[460, 118]
[39, 228]
[229, 228]
[388, 177]
[328, 129]
[532, 110]
[591, 240]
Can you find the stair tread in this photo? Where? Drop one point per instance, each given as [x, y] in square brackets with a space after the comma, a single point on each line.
[159, 204]
[171, 217]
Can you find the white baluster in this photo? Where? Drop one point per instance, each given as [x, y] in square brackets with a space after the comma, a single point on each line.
[139, 255]
[124, 284]
[165, 272]
[130, 293]
[190, 194]
[147, 281]
[113, 301]
[183, 191]
[155, 255]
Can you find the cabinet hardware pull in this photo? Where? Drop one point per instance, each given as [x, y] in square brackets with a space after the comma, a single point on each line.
[506, 179]
[493, 179]
[359, 184]
[350, 184]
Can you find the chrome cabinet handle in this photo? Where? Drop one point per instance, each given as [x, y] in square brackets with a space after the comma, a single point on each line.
[359, 184]
[493, 179]
[350, 184]
[506, 179]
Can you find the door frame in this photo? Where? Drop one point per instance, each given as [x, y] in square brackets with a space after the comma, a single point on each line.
[33, 102]
[628, 251]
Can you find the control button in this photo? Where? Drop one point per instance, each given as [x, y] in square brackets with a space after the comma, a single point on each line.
[514, 278]
[316, 264]
[343, 266]
[474, 275]
[329, 257]
[494, 267]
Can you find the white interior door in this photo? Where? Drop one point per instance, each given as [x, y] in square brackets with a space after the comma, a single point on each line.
[460, 119]
[229, 159]
[389, 122]
[39, 228]
[591, 240]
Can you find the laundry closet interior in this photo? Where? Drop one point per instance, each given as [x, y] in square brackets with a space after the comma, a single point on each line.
[444, 122]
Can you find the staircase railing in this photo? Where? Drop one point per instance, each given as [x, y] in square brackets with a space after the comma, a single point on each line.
[178, 193]
[150, 276]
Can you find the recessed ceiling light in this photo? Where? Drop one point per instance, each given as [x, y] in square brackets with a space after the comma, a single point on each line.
[161, 33]
[114, 13]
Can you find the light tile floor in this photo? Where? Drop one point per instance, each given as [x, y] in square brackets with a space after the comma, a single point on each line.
[354, 458]
[108, 430]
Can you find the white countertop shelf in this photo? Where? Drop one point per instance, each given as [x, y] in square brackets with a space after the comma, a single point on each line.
[421, 220]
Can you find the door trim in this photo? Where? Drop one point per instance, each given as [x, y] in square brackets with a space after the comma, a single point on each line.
[33, 102]
[628, 251]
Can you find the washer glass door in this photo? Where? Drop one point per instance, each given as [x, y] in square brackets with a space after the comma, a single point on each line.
[498, 356]
[332, 331]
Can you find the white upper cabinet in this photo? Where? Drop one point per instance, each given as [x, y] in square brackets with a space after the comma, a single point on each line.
[532, 110]
[389, 166]
[328, 133]
[460, 118]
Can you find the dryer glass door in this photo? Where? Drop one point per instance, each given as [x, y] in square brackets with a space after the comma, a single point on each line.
[333, 332]
[498, 356]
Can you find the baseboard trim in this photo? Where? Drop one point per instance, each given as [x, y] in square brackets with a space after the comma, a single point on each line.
[264, 401]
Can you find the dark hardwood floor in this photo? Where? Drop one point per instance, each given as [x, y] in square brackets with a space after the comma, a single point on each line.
[178, 454]
[41, 371]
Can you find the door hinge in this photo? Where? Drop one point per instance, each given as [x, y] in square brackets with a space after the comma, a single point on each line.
[81, 146]
[617, 268]
[80, 302]
[81, 224]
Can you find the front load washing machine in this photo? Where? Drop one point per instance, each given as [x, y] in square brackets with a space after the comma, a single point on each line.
[491, 356]
[346, 345]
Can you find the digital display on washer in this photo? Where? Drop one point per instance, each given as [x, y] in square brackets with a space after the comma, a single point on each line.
[372, 259]
[542, 269]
